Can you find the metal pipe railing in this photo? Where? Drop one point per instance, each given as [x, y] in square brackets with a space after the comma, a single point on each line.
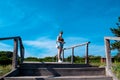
[75, 46]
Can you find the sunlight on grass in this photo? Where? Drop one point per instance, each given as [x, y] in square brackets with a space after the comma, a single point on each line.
[99, 64]
[116, 69]
[5, 69]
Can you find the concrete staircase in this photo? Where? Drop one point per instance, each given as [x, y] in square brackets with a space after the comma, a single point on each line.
[57, 71]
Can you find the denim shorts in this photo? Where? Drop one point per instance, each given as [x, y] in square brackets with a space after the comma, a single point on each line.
[60, 45]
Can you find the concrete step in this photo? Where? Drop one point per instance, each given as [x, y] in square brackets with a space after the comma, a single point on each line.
[88, 71]
[59, 78]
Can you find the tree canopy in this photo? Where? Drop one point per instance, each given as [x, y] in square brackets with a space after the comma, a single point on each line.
[116, 32]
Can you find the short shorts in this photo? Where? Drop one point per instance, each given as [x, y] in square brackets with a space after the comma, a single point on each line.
[59, 45]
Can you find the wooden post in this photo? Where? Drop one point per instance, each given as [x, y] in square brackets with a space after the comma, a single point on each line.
[14, 61]
[21, 51]
[86, 57]
[108, 53]
[72, 56]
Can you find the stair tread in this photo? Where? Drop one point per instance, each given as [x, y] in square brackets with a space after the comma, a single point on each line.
[45, 62]
[65, 68]
[100, 76]
[58, 71]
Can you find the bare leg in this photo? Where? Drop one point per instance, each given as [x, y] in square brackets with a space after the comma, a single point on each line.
[59, 53]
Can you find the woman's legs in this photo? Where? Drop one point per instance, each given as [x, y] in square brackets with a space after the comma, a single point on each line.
[59, 53]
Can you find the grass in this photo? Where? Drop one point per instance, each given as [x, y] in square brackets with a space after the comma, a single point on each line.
[98, 64]
[5, 69]
[116, 69]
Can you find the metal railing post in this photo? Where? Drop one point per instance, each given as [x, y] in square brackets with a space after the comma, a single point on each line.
[63, 55]
[86, 57]
[72, 56]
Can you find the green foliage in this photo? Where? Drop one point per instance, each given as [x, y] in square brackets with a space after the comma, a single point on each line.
[116, 32]
[5, 69]
[6, 53]
[46, 59]
[94, 59]
[116, 69]
[77, 59]
[4, 60]
[5, 57]
[116, 58]
[31, 59]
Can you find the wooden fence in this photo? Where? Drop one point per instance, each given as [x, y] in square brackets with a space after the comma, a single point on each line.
[17, 44]
[108, 56]
[108, 50]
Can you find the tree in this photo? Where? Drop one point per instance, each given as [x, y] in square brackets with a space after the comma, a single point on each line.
[116, 32]
[9, 54]
[5, 57]
[4, 60]
[31, 59]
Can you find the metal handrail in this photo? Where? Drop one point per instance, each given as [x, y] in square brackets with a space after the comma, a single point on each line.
[75, 46]
[78, 45]
[17, 41]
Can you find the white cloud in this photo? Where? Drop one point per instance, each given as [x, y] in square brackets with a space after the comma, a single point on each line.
[5, 47]
[44, 46]
[41, 43]
[70, 41]
[44, 43]
[48, 45]
[97, 50]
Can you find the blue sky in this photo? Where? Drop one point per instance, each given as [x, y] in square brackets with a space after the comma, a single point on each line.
[38, 22]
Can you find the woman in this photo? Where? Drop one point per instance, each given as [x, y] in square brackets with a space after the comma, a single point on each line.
[60, 43]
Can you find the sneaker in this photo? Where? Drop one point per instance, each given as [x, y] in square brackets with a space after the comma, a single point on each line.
[59, 61]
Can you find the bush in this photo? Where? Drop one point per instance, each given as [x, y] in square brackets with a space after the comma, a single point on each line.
[9, 54]
[4, 60]
[116, 69]
[31, 59]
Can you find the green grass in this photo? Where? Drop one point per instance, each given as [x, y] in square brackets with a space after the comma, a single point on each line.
[5, 69]
[116, 69]
[98, 64]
